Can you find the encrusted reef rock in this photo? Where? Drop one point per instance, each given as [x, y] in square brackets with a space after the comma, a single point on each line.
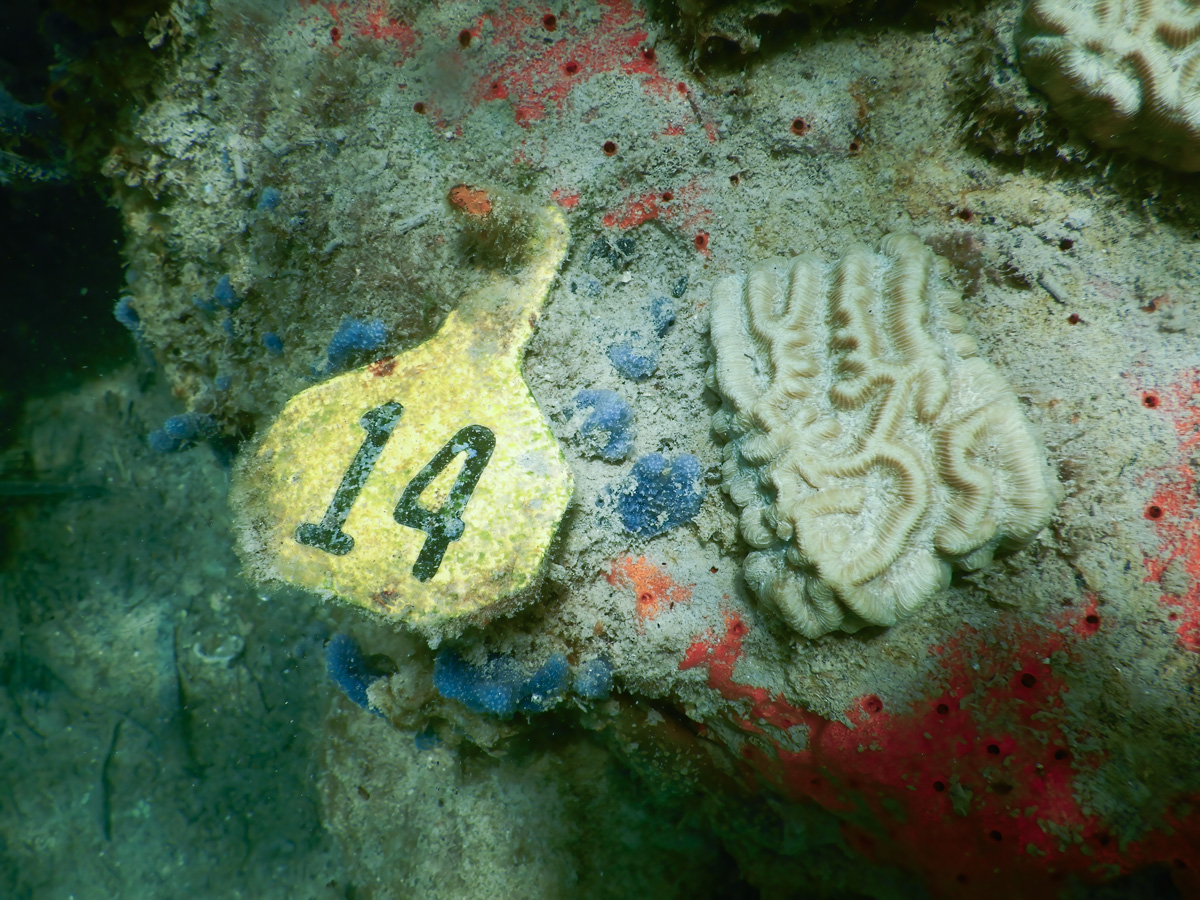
[869, 448]
[1125, 72]
[741, 23]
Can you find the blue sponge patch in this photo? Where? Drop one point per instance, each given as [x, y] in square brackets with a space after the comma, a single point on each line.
[190, 426]
[269, 199]
[349, 669]
[352, 337]
[127, 315]
[607, 429]
[501, 686]
[662, 314]
[593, 679]
[659, 494]
[546, 686]
[636, 358]
[224, 294]
[161, 442]
[181, 432]
[636, 355]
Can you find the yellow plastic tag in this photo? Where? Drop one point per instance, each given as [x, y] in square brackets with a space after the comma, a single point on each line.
[425, 487]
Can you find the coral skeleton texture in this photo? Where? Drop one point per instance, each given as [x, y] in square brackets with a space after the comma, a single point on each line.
[868, 447]
[1126, 72]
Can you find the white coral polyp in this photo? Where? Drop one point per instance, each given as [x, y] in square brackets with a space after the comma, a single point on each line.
[869, 449]
[1125, 72]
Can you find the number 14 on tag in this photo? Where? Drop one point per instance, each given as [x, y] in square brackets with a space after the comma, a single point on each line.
[442, 526]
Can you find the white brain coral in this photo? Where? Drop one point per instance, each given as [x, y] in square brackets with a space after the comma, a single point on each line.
[1125, 72]
[868, 447]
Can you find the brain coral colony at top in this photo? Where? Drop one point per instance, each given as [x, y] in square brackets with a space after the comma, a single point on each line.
[1125, 72]
[868, 447]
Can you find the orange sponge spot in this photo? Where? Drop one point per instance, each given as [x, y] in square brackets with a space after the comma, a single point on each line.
[472, 201]
[652, 586]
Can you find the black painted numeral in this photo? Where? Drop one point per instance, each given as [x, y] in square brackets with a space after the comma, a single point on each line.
[378, 423]
[444, 525]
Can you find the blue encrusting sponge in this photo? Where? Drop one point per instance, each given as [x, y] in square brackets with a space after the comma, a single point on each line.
[126, 314]
[662, 314]
[636, 358]
[269, 199]
[593, 679]
[501, 686]
[181, 432]
[353, 336]
[273, 342]
[224, 294]
[607, 430]
[349, 669]
[658, 495]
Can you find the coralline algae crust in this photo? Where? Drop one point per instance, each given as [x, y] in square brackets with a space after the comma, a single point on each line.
[869, 449]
